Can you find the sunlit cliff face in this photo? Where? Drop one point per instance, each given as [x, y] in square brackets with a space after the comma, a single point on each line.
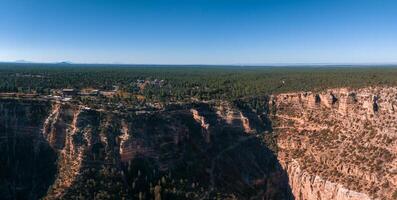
[339, 144]
[187, 152]
[336, 144]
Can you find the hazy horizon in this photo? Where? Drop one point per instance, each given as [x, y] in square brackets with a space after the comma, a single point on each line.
[210, 64]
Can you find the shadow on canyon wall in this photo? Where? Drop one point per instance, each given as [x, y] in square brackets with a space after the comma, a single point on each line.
[27, 162]
[168, 154]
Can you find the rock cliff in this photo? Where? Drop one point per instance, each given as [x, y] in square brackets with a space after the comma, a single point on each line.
[187, 151]
[27, 161]
[339, 144]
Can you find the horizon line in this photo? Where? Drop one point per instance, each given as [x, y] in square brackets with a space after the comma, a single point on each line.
[211, 64]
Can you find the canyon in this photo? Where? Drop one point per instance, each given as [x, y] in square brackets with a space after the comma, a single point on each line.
[339, 144]
[335, 144]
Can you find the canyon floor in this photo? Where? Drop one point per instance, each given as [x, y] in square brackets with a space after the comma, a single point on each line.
[337, 144]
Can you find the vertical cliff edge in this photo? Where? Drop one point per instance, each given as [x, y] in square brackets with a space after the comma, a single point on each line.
[191, 151]
[337, 144]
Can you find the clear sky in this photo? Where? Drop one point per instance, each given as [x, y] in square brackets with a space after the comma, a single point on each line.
[199, 31]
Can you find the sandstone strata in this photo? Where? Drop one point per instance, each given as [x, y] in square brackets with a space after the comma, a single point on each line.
[339, 144]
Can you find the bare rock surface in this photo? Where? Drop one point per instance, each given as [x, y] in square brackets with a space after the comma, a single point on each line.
[339, 144]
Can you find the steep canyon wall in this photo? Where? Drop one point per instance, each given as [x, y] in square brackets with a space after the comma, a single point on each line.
[192, 151]
[337, 144]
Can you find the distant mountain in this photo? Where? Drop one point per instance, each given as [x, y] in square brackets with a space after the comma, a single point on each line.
[23, 61]
[64, 63]
[26, 61]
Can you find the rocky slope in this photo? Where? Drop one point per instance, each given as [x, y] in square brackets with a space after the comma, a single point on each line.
[27, 162]
[339, 144]
[193, 151]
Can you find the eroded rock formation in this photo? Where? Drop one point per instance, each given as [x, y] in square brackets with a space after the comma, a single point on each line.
[349, 148]
[27, 161]
[183, 152]
[337, 144]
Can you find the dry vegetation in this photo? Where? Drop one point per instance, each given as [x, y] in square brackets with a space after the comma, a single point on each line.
[348, 141]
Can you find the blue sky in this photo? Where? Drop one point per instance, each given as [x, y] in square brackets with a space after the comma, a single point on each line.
[199, 31]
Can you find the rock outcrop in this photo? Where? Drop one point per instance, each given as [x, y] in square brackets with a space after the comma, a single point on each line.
[338, 144]
[308, 186]
[234, 117]
[27, 161]
[347, 145]
[176, 153]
